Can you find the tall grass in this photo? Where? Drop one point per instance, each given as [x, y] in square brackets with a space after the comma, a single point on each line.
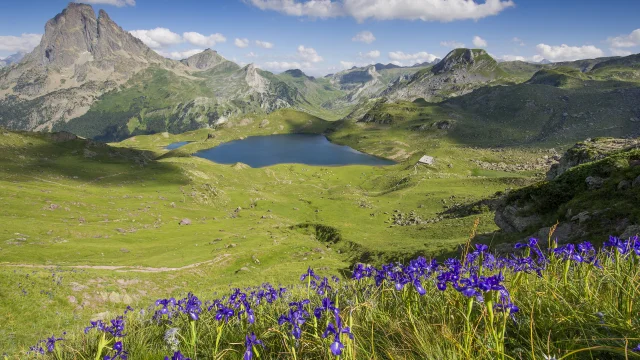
[565, 302]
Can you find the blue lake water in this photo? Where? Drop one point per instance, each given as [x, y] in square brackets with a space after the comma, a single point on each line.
[261, 151]
[176, 145]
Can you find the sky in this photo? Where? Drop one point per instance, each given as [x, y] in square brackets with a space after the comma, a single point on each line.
[326, 36]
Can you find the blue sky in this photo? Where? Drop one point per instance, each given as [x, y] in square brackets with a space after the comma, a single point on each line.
[328, 35]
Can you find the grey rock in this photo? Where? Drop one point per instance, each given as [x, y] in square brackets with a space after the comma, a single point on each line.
[636, 182]
[264, 123]
[185, 222]
[508, 219]
[594, 182]
[630, 231]
[581, 217]
[624, 185]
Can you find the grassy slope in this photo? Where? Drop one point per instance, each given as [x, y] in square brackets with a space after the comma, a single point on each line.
[113, 211]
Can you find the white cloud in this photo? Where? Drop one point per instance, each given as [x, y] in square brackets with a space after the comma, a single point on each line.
[241, 43]
[374, 54]
[264, 44]
[402, 59]
[365, 37]
[252, 55]
[451, 44]
[158, 37]
[479, 42]
[568, 53]
[626, 41]
[538, 58]
[514, 58]
[425, 10]
[518, 41]
[620, 52]
[24, 42]
[309, 54]
[118, 3]
[198, 39]
[281, 65]
[179, 55]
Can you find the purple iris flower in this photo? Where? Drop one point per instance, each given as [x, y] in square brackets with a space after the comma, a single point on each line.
[251, 341]
[119, 352]
[309, 273]
[337, 329]
[191, 306]
[177, 356]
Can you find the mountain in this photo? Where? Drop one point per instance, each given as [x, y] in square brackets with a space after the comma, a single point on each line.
[205, 60]
[12, 59]
[79, 58]
[90, 76]
[460, 72]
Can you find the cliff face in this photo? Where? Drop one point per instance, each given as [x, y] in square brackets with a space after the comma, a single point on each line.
[79, 58]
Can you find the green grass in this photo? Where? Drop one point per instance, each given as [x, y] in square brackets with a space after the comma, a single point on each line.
[570, 310]
[119, 207]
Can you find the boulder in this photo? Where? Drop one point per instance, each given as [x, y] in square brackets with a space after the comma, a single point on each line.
[185, 222]
[594, 182]
[624, 185]
[264, 123]
[630, 231]
[581, 217]
[636, 182]
[509, 220]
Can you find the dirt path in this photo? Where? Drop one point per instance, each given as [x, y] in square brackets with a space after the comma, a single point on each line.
[123, 268]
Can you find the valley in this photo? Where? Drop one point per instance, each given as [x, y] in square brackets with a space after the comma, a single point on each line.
[123, 181]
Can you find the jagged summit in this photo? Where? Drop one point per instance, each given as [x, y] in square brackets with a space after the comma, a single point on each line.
[205, 60]
[461, 58]
[77, 35]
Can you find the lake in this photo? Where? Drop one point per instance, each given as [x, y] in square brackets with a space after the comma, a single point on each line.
[176, 145]
[261, 151]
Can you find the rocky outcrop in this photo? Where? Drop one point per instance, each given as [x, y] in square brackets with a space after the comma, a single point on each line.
[510, 219]
[588, 151]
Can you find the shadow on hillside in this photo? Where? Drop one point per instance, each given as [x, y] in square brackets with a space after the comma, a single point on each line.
[84, 161]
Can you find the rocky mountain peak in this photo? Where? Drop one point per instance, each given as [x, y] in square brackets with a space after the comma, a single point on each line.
[205, 60]
[77, 35]
[462, 58]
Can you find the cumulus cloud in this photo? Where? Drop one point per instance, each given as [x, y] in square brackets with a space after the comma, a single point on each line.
[425, 10]
[513, 58]
[264, 44]
[283, 65]
[118, 3]
[309, 54]
[23, 43]
[179, 55]
[198, 39]
[479, 42]
[568, 53]
[241, 43]
[374, 54]
[625, 41]
[452, 44]
[365, 37]
[158, 37]
[251, 54]
[402, 59]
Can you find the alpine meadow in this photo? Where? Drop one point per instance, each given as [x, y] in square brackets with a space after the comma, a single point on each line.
[320, 179]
